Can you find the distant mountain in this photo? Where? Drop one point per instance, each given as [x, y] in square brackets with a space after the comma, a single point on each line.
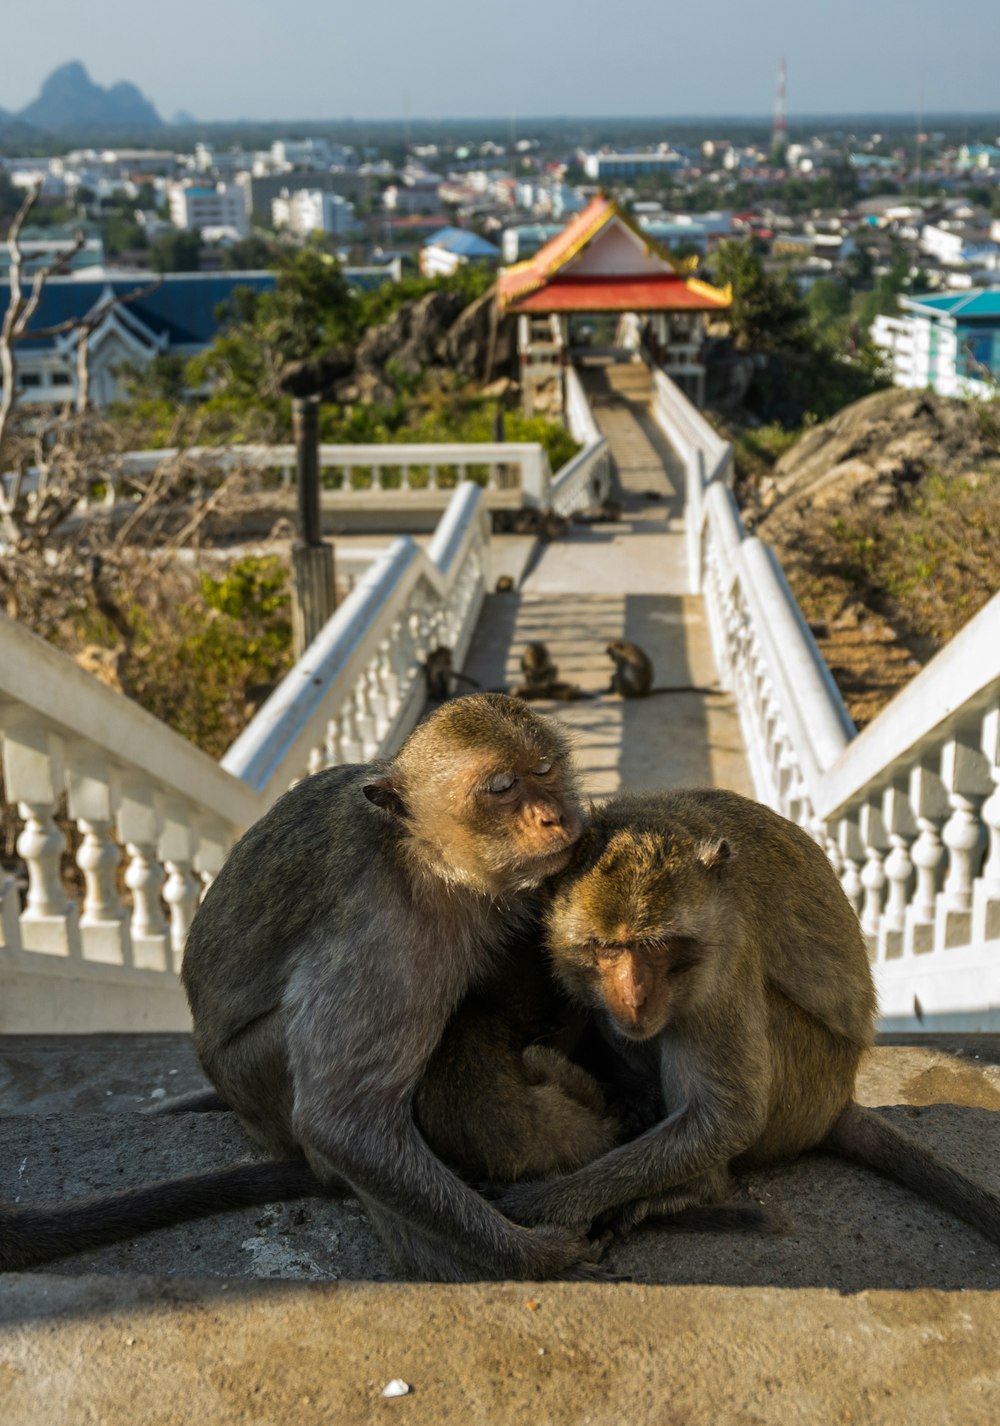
[70, 99]
[183, 119]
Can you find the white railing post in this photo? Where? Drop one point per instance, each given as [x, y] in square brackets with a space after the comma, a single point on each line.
[138, 828]
[986, 904]
[103, 918]
[965, 775]
[35, 778]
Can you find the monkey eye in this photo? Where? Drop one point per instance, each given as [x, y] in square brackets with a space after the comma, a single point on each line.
[500, 784]
[543, 769]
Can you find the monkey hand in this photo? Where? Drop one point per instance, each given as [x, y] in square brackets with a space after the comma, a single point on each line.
[538, 1204]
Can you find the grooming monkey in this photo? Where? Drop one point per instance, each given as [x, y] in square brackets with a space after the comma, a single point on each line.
[440, 677]
[633, 672]
[715, 943]
[330, 952]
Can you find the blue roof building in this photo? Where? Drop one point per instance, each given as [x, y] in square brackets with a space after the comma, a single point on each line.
[181, 316]
[949, 341]
[449, 248]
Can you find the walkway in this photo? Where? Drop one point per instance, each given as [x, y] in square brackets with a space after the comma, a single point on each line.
[635, 574]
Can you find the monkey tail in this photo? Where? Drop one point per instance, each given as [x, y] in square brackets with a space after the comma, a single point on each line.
[870, 1139]
[30, 1237]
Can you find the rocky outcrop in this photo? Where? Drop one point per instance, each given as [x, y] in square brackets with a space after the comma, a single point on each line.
[874, 451]
[437, 331]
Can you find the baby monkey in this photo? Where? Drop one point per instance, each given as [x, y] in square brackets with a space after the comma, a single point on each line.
[721, 956]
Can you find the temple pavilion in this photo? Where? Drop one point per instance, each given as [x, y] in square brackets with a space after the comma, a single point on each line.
[603, 263]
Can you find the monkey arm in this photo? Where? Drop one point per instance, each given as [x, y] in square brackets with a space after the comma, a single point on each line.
[353, 1117]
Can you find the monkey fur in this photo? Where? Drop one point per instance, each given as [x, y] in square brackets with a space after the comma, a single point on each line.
[335, 944]
[633, 673]
[715, 944]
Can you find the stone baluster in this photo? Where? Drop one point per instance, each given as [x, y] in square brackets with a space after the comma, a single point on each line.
[965, 774]
[404, 478]
[378, 698]
[432, 478]
[901, 829]
[873, 877]
[394, 662]
[104, 929]
[10, 914]
[376, 477]
[138, 824]
[986, 895]
[351, 750]
[35, 777]
[460, 472]
[213, 843]
[851, 851]
[347, 476]
[176, 850]
[364, 718]
[929, 806]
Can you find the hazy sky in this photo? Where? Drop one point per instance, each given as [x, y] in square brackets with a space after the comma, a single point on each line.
[226, 59]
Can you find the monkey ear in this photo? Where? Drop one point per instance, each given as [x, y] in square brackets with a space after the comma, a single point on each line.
[714, 855]
[385, 794]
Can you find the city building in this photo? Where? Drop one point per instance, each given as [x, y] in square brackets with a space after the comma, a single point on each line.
[607, 167]
[948, 341]
[311, 210]
[194, 206]
[451, 248]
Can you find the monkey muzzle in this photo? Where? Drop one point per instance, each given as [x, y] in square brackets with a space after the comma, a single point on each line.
[636, 999]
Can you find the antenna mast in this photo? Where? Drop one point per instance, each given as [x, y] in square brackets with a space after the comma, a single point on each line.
[779, 135]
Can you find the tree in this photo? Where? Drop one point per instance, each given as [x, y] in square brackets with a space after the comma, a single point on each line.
[828, 301]
[179, 251]
[767, 312]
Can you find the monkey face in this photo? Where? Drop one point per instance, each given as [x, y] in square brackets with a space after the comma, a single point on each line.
[499, 809]
[626, 925]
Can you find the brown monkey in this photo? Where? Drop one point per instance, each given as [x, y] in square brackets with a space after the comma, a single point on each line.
[499, 1100]
[536, 664]
[633, 672]
[504, 584]
[716, 944]
[440, 678]
[344, 929]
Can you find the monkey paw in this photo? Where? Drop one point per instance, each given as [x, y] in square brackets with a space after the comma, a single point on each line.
[535, 1205]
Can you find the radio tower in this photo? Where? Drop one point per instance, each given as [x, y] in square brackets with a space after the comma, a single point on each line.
[779, 136]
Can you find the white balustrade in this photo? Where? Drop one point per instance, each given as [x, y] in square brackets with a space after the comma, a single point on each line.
[909, 809]
[145, 802]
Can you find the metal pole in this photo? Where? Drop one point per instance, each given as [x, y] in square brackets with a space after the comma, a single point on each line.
[314, 589]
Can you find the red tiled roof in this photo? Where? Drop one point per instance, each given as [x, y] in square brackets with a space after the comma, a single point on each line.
[669, 293]
[536, 285]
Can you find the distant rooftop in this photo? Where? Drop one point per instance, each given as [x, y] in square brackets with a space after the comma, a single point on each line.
[981, 302]
[462, 243]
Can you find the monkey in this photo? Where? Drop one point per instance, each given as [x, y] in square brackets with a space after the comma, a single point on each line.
[440, 677]
[504, 584]
[341, 933]
[536, 664]
[633, 672]
[541, 677]
[499, 1100]
[714, 942]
